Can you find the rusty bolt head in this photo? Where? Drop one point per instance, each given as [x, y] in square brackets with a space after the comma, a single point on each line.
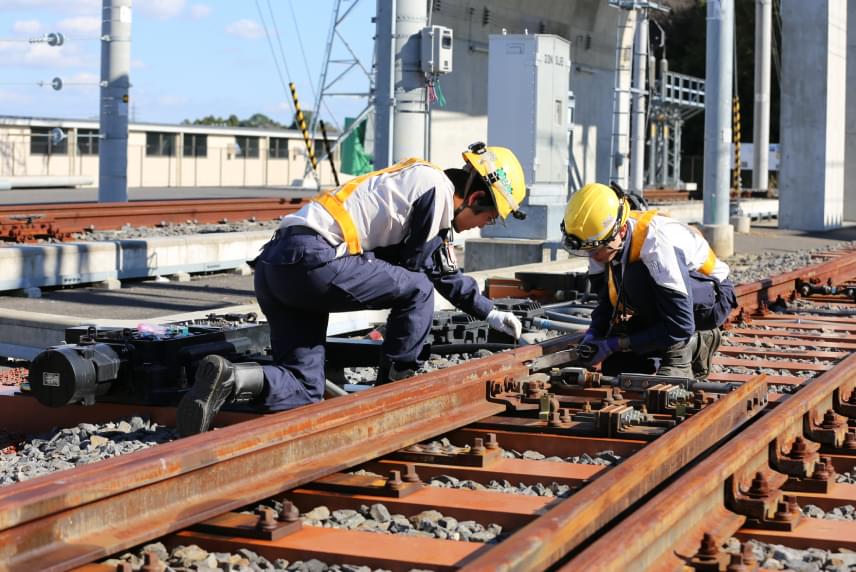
[566, 414]
[478, 446]
[289, 512]
[831, 420]
[410, 475]
[748, 555]
[850, 440]
[267, 520]
[798, 451]
[737, 564]
[823, 470]
[394, 481]
[151, 562]
[492, 443]
[708, 550]
[760, 488]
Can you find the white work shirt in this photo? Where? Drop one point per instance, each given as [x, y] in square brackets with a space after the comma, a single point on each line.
[380, 208]
[666, 241]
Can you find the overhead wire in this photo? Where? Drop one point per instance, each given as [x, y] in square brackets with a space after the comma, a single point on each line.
[282, 81]
[302, 51]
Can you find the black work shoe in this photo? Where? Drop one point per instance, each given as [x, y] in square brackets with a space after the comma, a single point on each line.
[213, 384]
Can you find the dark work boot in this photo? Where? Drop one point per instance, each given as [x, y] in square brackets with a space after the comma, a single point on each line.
[217, 382]
[708, 344]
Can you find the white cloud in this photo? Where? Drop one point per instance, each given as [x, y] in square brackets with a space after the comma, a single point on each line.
[16, 54]
[247, 29]
[82, 80]
[160, 9]
[172, 100]
[81, 25]
[200, 11]
[26, 26]
[138, 64]
[53, 6]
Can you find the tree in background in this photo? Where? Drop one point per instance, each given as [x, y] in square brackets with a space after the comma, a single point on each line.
[255, 120]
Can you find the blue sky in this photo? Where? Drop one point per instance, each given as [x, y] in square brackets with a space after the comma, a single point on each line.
[189, 58]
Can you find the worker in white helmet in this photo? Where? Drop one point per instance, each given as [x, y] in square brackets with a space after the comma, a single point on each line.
[663, 293]
[382, 240]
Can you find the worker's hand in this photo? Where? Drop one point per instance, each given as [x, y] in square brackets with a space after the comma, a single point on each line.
[588, 337]
[505, 322]
[601, 348]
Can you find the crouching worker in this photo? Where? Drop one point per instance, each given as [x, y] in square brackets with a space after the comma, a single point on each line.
[662, 292]
[382, 240]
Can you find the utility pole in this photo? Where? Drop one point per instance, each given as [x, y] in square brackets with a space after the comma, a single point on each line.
[115, 84]
[717, 126]
[400, 96]
[761, 121]
[639, 105]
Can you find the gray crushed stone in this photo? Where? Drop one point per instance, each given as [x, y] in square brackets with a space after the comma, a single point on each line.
[192, 558]
[66, 448]
[779, 557]
[129, 232]
[378, 518]
[746, 268]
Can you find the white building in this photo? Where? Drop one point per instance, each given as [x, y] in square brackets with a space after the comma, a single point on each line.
[159, 155]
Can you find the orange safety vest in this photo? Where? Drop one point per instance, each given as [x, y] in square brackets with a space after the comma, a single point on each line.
[333, 201]
[640, 232]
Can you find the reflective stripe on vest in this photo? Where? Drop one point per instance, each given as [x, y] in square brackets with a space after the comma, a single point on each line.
[640, 233]
[333, 201]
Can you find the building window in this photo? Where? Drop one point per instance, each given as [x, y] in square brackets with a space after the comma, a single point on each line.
[87, 141]
[247, 146]
[278, 148]
[41, 142]
[195, 145]
[160, 144]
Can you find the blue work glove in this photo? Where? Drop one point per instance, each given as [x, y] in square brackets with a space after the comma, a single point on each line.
[588, 337]
[603, 348]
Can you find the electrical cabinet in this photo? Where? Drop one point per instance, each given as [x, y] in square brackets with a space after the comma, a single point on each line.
[436, 50]
[527, 102]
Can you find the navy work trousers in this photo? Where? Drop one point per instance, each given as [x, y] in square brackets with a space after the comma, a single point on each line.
[299, 281]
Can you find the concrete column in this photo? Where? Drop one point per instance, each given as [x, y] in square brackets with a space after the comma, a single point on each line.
[761, 120]
[115, 84]
[850, 122]
[639, 105]
[814, 44]
[620, 145]
[717, 126]
[400, 120]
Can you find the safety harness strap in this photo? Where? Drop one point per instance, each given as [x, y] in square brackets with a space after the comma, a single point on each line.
[640, 233]
[333, 201]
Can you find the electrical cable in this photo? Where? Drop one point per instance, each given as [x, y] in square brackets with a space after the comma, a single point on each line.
[302, 51]
[282, 81]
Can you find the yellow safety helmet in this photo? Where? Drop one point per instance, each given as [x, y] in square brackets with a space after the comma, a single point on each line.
[593, 217]
[502, 173]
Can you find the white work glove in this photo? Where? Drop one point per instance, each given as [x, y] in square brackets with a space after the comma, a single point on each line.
[505, 322]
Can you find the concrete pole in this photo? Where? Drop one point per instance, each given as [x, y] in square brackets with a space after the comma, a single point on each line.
[717, 126]
[761, 121]
[639, 105]
[400, 100]
[115, 84]
[850, 120]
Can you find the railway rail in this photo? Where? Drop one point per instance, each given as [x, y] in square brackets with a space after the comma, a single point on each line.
[701, 463]
[62, 221]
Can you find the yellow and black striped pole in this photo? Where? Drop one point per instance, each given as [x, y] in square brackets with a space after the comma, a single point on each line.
[735, 177]
[301, 122]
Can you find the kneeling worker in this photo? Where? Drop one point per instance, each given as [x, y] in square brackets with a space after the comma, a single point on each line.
[382, 240]
[662, 292]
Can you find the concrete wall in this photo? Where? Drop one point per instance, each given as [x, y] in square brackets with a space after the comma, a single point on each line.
[814, 46]
[590, 25]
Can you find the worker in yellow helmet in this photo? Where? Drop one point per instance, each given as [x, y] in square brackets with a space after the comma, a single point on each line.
[662, 292]
[382, 240]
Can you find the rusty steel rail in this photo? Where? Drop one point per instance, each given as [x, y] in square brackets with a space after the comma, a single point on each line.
[756, 297]
[67, 519]
[712, 498]
[23, 223]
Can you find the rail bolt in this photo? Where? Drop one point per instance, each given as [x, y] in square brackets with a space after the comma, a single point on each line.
[289, 512]
[267, 520]
[798, 451]
[760, 488]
